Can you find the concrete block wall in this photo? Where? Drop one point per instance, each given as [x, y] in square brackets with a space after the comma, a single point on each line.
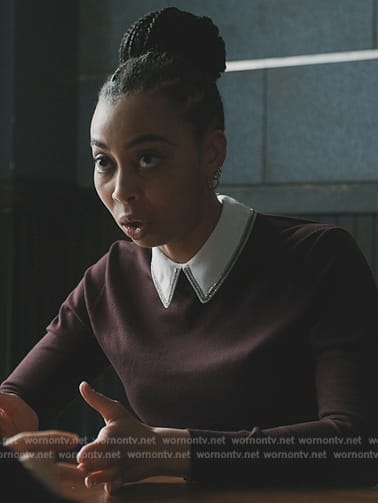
[301, 139]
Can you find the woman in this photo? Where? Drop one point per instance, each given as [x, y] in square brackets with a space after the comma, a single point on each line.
[242, 339]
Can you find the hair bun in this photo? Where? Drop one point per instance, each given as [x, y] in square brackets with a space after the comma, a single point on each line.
[194, 39]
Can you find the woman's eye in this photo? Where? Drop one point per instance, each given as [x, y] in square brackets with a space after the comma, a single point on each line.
[149, 160]
[102, 164]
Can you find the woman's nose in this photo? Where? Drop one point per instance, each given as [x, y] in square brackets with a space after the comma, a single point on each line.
[126, 188]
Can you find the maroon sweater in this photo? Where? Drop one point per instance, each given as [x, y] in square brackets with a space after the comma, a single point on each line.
[284, 352]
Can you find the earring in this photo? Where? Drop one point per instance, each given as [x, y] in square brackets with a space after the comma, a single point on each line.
[213, 180]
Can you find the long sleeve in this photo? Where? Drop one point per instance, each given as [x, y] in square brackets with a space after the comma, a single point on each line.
[48, 376]
[338, 446]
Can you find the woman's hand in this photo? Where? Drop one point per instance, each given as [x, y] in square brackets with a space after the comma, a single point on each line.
[127, 450]
[37, 451]
[15, 415]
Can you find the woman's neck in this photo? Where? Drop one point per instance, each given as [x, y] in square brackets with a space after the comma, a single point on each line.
[182, 251]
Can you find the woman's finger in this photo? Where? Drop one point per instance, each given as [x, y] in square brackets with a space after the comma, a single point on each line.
[112, 487]
[41, 441]
[93, 459]
[7, 427]
[108, 475]
[69, 473]
[108, 408]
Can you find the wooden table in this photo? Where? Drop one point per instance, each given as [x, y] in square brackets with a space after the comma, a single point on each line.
[173, 490]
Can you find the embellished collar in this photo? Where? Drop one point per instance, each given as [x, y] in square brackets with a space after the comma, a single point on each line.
[210, 266]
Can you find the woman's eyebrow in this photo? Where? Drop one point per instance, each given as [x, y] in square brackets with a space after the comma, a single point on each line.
[135, 141]
[147, 137]
[97, 143]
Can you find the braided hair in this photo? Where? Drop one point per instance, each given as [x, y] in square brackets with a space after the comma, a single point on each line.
[178, 54]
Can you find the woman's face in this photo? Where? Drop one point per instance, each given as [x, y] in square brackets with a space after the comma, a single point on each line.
[152, 174]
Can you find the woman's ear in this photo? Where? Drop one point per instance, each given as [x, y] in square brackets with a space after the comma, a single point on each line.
[215, 150]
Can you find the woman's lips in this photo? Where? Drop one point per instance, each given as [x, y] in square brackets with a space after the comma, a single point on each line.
[135, 231]
[133, 227]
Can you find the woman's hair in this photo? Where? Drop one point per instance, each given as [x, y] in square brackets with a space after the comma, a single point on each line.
[181, 56]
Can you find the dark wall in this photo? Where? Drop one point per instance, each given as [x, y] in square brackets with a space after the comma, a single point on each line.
[7, 58]
[50, 229]
[38, 168]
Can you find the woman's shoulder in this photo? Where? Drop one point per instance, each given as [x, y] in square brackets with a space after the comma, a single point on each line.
[294, 231]
[297, 240]
[118, 263]
[121, 254]
[294, 223]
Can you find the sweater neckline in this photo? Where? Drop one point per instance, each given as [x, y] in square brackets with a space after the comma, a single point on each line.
[210, 266]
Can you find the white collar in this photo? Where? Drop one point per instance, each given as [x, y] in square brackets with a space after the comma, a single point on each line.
[209, 267]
